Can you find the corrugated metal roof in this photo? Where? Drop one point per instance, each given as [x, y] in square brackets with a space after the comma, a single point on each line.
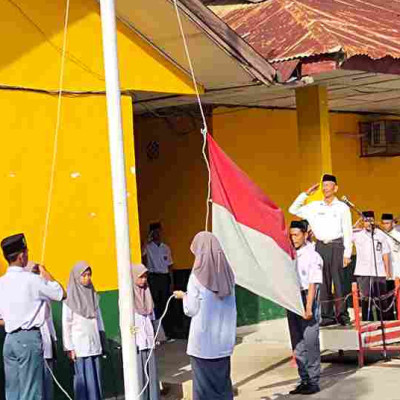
[287, 29]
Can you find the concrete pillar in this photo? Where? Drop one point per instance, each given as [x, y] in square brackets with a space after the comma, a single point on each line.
[314, 135]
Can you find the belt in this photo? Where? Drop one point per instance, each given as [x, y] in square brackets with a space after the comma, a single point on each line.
[25, 330]
[159, 273]
[338, 240]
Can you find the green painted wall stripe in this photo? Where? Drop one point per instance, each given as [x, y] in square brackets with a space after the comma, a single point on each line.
[253, 309]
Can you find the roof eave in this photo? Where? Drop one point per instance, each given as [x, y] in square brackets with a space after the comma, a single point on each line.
[229, 40]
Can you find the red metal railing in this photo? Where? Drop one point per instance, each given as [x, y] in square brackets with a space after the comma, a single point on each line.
[370, 333]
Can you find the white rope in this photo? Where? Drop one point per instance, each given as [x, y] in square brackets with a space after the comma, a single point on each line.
[204, 131]
[57, 130]
[56, 381]
[153, 347]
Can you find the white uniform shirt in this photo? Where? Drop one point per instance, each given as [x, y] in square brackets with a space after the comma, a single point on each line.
[365, 265]
[82, 334]
[159, 258]
[145, 334]
[23, 296]
[213, 326]
[394, 253]
[309, 266]
[48, 333]
[328, 221]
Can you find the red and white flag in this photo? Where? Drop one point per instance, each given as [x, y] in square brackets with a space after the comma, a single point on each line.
[252, 233]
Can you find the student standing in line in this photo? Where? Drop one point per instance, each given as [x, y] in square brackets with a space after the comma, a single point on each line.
[369, 278]
[393, 238]
[304, 330]
[49, 340]
[158, 260]
[210, 302]
[82, 330]
[144, 315]
[23, 300]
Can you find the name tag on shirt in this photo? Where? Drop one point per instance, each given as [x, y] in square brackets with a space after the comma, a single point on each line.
[379, 246]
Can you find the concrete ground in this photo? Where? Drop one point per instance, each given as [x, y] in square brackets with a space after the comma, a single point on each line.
[262, 368]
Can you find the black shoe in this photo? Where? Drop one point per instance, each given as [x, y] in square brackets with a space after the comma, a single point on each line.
[344, 321]
[299, 388]
[310, 389]
[327, 322]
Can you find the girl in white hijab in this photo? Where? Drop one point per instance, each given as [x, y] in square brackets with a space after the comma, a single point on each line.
[210, 302]
[82, 330]
[144, 315]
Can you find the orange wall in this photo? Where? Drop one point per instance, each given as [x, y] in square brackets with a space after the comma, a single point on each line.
[172, 188]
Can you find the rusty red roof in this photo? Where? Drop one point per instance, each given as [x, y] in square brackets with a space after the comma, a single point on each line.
[287, 29]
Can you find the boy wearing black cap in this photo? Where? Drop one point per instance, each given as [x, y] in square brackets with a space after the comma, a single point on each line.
[304, 331]
[369, 277]
[23, 298]
[330, 221]
[387, 224]
[158, 260]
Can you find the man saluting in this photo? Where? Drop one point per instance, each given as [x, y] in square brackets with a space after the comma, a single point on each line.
[330, 221]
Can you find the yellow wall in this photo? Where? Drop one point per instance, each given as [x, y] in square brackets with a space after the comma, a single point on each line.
[371, 183]
[264, 144]
[172, 188]
[314, 135]
[81, 224]
[32, 35]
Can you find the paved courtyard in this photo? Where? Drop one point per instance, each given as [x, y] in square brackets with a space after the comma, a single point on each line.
[262, 368]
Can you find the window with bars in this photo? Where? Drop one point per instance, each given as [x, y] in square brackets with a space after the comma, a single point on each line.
[380, 138]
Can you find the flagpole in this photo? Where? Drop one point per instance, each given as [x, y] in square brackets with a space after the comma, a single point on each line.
[121, 221]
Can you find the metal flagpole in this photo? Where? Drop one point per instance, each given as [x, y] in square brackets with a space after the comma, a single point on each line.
[126, 303]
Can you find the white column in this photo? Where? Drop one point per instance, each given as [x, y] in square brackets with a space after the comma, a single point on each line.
[116, 143]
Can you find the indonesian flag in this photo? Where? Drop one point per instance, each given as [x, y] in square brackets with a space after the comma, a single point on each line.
[252, 233]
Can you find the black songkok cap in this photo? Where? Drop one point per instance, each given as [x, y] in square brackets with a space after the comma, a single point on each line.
[13, 245]
[368, 214]
[305, 223]
[329, 178]
[387, 217]
[298, 225]
[155, 225]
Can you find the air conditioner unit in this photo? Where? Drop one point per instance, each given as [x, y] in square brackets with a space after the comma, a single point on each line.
[380, 138]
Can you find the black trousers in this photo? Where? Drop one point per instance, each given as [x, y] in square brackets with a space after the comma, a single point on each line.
[369, 288]
[333, 271]
[392, 314]
[160, 290]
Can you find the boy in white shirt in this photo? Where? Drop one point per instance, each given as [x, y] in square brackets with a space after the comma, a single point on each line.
[49, 340]
[304, 330]
[23, 297]
[369, 276]
[157, 258]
